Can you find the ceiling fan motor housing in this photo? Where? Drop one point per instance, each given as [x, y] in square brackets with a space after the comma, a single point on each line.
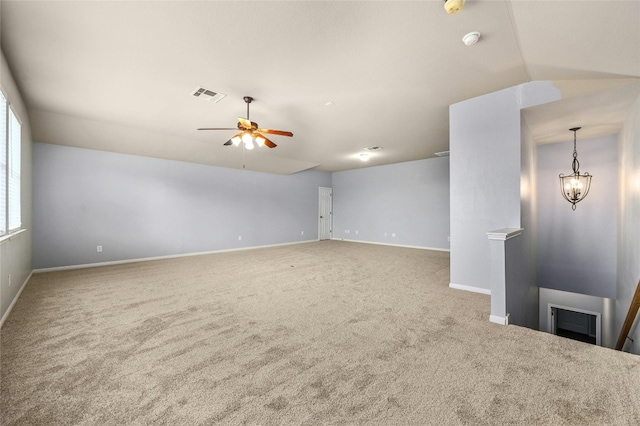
[453, 6]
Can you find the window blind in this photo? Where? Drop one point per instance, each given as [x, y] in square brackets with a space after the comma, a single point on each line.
[3, 164]
[15, 144]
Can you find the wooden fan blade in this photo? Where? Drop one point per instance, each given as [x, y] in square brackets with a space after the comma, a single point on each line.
[267, 142]
[275, 132]
[227, 143]
[217, 128]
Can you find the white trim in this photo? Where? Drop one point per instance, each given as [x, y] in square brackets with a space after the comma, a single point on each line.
[392, 245]
[11, 236]
[15, 299]
[504, 234]
[499, 320]
[470, 288]
[171, 256]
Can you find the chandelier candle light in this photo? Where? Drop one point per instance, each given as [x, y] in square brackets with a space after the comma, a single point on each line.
[575, 187]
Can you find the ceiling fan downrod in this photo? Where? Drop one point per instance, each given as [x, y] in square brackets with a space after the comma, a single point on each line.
[248, 100]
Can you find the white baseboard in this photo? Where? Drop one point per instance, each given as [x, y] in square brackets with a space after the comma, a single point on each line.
[15, 299]
[171, 256]
[392, 245]
[499, 320]
[470, 288]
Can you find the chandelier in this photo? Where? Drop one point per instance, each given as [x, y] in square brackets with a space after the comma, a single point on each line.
[575, 187]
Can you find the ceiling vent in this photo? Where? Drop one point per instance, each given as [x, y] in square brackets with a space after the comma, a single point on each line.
[373, 148]
[208, 95]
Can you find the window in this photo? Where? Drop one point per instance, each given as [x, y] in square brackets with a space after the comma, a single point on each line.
[3, 164]
[10, 164]
[13, 174]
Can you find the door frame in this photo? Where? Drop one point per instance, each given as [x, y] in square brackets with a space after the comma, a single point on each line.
[320, 190]
[552, 323]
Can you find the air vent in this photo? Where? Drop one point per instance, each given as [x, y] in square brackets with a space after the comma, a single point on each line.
[442, 154]
[208, 95]
[373, 148]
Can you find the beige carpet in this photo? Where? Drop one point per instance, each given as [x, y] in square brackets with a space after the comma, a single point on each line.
[329, 333]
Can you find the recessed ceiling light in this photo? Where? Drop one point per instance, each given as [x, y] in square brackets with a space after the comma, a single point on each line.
[364, 156]
[373, 148]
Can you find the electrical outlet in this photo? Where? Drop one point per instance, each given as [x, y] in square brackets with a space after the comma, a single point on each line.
[385, 234]
[393, 234]
[99, 249]
[301, 232]
[448, 238]
[356, 232]
[9, 280]
[239, 237]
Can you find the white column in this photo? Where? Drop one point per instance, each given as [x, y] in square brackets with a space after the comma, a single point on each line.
[498, 259]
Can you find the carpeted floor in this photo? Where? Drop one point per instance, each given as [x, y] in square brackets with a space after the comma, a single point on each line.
[321, 333]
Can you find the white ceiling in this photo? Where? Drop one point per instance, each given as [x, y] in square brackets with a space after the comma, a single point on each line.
[118, 76]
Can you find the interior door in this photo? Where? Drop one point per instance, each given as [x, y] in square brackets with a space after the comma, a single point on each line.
[325, 213]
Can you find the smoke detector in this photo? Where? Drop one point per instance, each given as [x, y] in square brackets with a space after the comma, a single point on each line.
[471, 38]
[453, 6]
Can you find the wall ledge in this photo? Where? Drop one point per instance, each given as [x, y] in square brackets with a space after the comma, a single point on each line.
[11, 236]
[470, 288]
[504, 233]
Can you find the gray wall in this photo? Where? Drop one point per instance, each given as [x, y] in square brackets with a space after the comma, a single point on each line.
[410, 200]
[137, 207]
[15, 254]
[522, 301]
[485, 145]
[578, 249]
[628, 268]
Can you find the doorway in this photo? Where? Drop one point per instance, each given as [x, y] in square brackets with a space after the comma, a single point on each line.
[576, 324]
[325, 213]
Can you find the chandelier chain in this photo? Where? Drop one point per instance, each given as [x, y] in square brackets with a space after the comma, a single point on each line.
[575, 164]
[575, 187]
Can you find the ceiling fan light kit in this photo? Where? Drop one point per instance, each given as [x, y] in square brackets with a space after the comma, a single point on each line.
[250, 135]
[453, 6]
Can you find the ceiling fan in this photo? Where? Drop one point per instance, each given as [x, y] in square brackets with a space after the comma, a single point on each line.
[249, 132]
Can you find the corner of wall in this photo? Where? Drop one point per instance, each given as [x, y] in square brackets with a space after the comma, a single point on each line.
[16, 252]
[628, 265]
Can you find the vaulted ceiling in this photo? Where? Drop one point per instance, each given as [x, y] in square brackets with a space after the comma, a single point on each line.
[342, 76]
